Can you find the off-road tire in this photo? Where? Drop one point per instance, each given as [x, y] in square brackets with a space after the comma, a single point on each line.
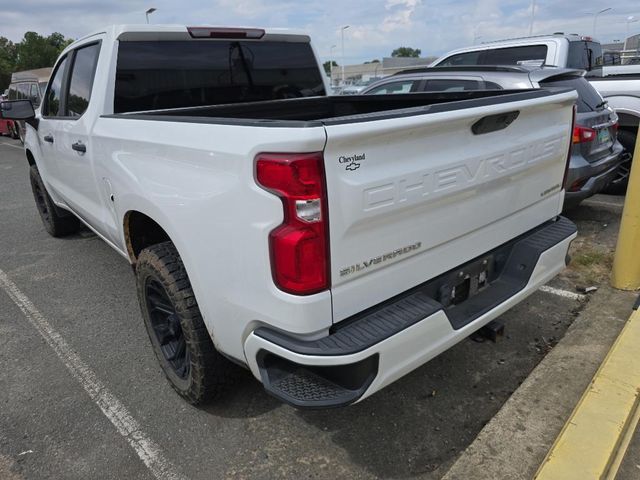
[210, 374]
[57, 222]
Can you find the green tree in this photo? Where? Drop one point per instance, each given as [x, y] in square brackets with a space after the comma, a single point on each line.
[327, 66]
[36, 51]
[7, 62]
[406, 52]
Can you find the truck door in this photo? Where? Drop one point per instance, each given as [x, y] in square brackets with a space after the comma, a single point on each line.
[77, 182]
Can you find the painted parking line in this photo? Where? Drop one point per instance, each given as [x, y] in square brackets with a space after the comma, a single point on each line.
[112, 408]
[562, 293]
[595, 439]
[12, 146]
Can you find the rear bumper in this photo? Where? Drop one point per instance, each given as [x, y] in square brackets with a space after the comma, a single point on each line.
[596, 176]
[368, 352]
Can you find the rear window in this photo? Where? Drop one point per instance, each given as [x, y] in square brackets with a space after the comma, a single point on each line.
[585, 56]
[172, 74]
[589, 99]
[525, 55]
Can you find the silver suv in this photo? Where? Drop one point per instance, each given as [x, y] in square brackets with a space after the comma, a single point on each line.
[596, 154]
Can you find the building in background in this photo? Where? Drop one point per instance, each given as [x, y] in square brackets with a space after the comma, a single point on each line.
[622, 53]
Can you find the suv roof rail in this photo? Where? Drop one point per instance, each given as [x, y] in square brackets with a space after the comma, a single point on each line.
[467, 68]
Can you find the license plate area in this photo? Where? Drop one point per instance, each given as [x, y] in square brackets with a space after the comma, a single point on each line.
[466, 282]
[603, 136]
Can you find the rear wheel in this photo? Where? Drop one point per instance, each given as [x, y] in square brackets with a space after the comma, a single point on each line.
[175, 326]
[56, 221]
[628, 140]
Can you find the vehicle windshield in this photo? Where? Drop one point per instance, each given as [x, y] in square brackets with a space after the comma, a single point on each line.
[173, 74]
[585, 55]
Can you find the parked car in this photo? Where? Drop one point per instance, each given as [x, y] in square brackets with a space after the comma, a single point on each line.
[596, 156]
[620, 87]
[28, 85]
[8, 128]
[358, 87]
[557, 50]
[329, 244]
[568, 51]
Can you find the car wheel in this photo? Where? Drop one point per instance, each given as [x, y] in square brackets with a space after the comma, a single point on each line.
[180, 340]
[57, 222]
[628, 140]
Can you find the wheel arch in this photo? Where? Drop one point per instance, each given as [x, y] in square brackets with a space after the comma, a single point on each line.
[30, 158]
[141, 231]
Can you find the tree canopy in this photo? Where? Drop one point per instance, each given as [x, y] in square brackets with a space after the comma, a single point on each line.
[406, 52]
[327, 66]
[33, 51]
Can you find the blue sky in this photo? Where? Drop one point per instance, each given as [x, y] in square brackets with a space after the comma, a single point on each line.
[376, 26]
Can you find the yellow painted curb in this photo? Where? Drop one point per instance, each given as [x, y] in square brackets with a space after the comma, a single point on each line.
[594, 440]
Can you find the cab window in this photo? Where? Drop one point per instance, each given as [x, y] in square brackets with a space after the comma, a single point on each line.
[451, 85]
[82, 74]
[524, 55]
[53, 99]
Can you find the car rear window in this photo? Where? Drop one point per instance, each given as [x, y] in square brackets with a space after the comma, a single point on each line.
[589, 100]
[172, 74]
[525, 55]
[585, 55]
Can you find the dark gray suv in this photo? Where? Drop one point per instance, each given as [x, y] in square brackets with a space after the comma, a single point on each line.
[596, 154]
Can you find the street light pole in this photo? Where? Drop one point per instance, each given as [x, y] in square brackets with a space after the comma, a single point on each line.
[149, 12]
[533, 16]
[595, 18]
[331, 64]
[342, 61]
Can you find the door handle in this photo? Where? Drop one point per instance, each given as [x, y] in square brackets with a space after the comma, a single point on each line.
[79, 147]
[48, 138]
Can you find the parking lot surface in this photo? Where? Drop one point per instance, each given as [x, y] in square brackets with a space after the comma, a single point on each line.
[53, 426]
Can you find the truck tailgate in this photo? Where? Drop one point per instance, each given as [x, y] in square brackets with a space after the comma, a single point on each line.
[411, 197]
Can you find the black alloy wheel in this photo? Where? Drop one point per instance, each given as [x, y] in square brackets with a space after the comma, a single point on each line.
[165, 323]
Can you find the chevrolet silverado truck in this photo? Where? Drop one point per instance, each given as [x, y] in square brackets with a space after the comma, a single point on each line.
[328, 244]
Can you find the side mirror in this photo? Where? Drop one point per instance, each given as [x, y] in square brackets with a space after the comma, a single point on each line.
[17, 110]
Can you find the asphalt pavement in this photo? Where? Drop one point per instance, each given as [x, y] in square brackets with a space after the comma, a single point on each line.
[82, 293]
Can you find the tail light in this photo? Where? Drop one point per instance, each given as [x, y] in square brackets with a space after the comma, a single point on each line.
[583, 134]
[299, 247]
[573, 130]
[218, 32]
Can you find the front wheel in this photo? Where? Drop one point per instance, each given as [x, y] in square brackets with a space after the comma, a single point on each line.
[175, 326]
[56, 221]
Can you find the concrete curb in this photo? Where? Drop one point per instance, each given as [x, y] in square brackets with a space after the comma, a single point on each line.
[516, 440]
[595, 439]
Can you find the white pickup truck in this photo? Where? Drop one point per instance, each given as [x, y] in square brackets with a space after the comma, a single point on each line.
[329, 244]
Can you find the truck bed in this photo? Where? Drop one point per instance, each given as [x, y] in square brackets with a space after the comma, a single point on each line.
[335, 110]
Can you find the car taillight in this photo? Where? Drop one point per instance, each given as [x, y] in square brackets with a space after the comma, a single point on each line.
[583, 134]
[566, 168]
[299, 247]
